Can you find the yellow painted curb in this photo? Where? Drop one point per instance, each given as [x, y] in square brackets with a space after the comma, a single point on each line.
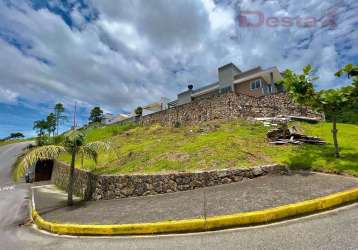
[196, 225]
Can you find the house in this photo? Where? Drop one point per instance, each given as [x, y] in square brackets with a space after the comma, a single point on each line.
[111, 119]
[156, 106]
[107, 118]
[254, 82]
[120, 117]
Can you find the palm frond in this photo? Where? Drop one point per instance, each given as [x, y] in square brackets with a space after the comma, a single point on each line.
[49, 152]
[30, 157]
[18, 168]
[91, 150]
[98, 146]
[89, 153]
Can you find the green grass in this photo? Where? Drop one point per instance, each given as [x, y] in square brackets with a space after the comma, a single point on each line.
[7, 142]
[236, 144]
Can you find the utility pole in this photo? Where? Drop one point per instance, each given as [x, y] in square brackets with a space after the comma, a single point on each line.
[74, 117]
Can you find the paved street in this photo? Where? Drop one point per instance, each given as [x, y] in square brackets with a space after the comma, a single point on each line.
[336, 229]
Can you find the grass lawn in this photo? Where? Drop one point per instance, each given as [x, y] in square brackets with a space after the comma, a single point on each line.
[2, 143]
[215, 145]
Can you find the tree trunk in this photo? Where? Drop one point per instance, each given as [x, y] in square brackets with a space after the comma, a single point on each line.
[57, 122]
[334, 133]
[71, 180]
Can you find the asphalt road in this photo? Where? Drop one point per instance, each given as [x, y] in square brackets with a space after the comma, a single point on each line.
[336, 229]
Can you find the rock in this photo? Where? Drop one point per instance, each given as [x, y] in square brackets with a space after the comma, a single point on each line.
[127, 191]
[237, 178]
[222, 174]
[257, 171]
[226, 180]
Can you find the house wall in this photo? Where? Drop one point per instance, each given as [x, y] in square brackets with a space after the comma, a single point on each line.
[106, 187]
[184, 97]
[228, 106]
[245, 88]
[226, 76]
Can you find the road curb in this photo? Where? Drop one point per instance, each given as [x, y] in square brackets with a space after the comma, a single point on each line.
[201, 224]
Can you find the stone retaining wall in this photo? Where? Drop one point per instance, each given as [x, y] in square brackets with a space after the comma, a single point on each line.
[107, 187]
[228, 106]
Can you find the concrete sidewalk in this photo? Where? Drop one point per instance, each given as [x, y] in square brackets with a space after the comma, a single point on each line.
[248, 195]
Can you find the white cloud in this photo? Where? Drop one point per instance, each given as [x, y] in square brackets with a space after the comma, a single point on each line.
[7, 96]
[137, 51]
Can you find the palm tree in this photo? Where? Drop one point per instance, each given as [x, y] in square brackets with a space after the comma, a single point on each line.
[74, 144]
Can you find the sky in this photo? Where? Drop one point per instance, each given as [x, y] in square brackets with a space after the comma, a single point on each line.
[120, 54]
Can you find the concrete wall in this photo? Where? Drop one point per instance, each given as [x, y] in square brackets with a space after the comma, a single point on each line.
[226, 76]
[107, 187]
[228, 106]
[184, 97]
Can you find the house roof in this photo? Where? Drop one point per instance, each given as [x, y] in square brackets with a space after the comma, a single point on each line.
[206, 89]
[256, 74]
[153, 106]
[230, 65]
[248, 72]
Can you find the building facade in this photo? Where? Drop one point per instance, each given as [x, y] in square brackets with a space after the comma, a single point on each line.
[255, 82]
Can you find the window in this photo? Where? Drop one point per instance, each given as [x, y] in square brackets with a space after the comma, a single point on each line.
[256, 84]
[269, 88]
[225, 90]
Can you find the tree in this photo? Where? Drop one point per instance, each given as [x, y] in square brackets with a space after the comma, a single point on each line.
[40, 126]
[301, 89]
[138, 111]
[16, 135]
[59, 110]
[74, 144]
[51, 124]
[96, 115]
[351, 70]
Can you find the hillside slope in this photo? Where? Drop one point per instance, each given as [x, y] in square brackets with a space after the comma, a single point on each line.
[216, 145]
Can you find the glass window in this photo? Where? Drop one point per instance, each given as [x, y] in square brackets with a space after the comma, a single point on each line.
[258, 83]
[226, 90]
[253, 85]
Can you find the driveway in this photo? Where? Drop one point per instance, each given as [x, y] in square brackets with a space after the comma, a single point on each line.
[336, 229]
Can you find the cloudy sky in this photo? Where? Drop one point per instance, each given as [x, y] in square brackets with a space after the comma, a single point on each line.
[119, 54]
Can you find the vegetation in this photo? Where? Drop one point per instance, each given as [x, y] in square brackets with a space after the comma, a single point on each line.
[215, 145]
[12, 138]
[59, 115]
[74, 145]
[330, 101]
[96, 115]
[138, 111]
[348, 114]
[51, 124]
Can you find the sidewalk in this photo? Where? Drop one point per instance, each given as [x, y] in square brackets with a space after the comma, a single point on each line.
[249, 195]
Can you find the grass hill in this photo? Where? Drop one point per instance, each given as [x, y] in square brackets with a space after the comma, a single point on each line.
[215, 145]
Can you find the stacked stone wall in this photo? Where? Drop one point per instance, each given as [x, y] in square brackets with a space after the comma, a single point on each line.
[107, 187]
[226, 107]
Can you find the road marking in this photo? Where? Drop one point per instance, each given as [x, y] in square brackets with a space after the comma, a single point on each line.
[7, 188]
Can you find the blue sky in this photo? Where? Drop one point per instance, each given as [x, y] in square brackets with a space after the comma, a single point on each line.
[119, 54]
